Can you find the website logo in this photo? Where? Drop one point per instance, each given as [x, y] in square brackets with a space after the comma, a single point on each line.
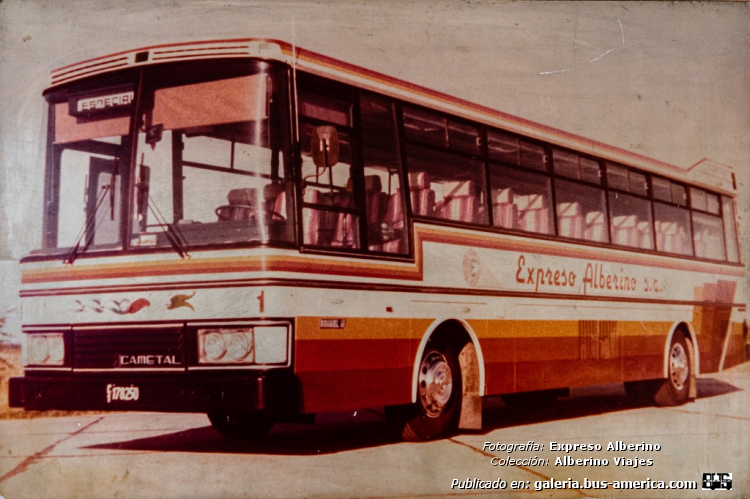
[717, 481]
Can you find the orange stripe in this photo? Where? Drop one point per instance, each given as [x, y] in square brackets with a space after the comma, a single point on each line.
[351, 267]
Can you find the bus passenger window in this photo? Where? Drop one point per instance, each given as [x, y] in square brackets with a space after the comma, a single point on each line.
[329, 214]
[521, 200]
[581, 212]
[630, 214]
[631, 221]
[509, 149]
[446, 185]
[384, 198]
[672, 226]
[708, 237]
[572, 165]
[330, 219]
[671, 192]
[425, 127]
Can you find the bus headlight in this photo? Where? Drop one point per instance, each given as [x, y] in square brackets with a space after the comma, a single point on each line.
[45, 349]
[214, 347]
[249, 345]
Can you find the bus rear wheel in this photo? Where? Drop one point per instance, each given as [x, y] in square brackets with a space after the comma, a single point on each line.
[241, 426]
[666, 392]
[439, 394]
[675, 389]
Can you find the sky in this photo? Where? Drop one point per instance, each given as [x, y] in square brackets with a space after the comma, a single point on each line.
[670, 80]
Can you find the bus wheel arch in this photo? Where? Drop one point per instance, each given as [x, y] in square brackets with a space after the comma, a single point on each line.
[459, 337]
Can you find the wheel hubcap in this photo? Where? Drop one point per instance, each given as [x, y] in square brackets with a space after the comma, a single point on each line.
[435, 384]
[678, 366]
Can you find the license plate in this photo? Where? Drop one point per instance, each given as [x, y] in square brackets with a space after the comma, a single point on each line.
[122, 393]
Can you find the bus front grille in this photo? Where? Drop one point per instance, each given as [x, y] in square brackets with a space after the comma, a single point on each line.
[129, 348]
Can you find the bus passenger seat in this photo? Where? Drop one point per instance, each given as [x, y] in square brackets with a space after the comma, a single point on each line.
[708, 245]
[570, 220]
[671, 237]
[375, 203]
[700, 243]
[243, 204]
[274, 200]
[394, 217]
[714, 246]
[422, 197]
[533, 213]
[344, 225]
[459, 202]
[644, 236]
[596, 229]
[376, 206]
[625, 230]
[311, 216]
[505, 212]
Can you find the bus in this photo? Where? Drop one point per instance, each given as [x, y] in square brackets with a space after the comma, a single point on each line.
[254, 231]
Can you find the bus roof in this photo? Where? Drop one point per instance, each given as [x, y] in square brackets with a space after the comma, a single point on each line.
[706, 173]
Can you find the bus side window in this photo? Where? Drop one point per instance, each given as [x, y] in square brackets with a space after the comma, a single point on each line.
[581, 212]
[446, 180]
[329, 214]
[521, 200]
[671, 217]
[708, 233]
[382, 168]
[629, 208]
[672, 229]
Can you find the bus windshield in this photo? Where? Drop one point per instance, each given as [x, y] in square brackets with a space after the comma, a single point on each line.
[212, 162]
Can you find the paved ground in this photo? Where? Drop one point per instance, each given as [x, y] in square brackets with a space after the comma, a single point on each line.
[353, 455]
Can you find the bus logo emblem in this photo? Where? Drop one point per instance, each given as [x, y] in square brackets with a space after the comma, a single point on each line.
[147, 360]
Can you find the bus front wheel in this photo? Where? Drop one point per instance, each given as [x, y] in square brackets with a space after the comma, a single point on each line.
[439, 393]
[238, 426]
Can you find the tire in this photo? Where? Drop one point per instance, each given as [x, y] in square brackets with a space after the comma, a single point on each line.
[239, 426]
[675, 389]
[439, 395]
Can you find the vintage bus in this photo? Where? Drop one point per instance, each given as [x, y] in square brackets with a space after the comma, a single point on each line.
[254, 231]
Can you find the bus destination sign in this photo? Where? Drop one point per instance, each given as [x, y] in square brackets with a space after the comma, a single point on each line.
[90, 105]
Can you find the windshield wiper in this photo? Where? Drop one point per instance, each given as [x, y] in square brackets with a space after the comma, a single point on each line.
[88, 224]
[171, 231]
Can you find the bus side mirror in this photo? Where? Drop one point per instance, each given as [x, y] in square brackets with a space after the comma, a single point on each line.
[324, 146]
[154, 134]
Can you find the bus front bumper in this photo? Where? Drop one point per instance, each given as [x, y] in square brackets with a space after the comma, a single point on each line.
[273, 393]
